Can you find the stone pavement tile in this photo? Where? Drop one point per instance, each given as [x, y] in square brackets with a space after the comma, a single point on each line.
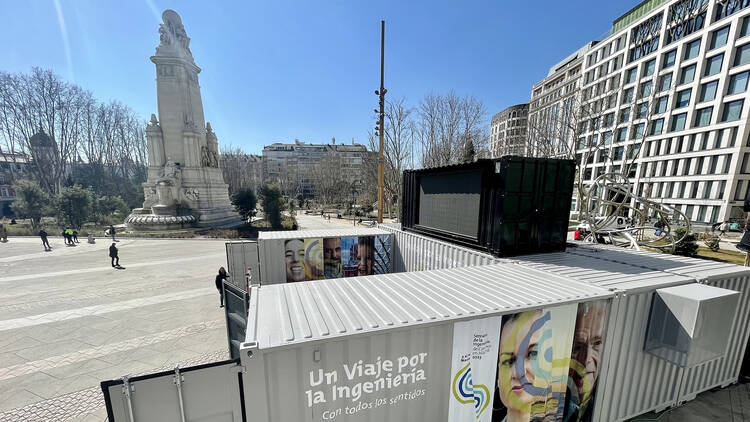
[124, 368]
[19, 342]
[9, 359]
[51, 349]
[99, 415]
[9, 386]
[18, 399]
[75, 383]
[77, 368]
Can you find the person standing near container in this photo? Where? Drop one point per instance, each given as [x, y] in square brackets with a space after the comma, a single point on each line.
[114, 256]
[220, 278]
[45, 242]
[112, 232]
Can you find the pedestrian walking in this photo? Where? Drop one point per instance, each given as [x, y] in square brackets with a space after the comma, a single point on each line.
[112, 232]
[45, 242]
[69, 236]
[3, 233]
[723, 228]
[75, 236]
[219, 284]
[114, 256]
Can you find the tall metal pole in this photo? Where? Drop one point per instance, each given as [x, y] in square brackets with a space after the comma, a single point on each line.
[381, 93]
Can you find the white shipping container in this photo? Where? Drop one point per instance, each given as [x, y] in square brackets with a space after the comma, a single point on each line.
[292, 256]
[636, 382]
[419, 346]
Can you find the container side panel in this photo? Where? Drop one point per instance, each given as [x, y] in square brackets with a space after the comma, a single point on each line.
[636, 382]
[349, 380]
[725, 370]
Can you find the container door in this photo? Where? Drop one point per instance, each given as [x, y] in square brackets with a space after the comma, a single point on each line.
[235, 310]
[210, 392]
[243, 263]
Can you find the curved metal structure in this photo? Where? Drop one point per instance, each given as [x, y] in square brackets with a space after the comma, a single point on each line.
[610, 197]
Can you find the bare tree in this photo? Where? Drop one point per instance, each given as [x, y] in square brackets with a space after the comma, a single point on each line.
[83, 131]
[240, 169]
[445, 124]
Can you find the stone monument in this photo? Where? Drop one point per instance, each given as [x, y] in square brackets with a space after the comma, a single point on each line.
[185, 186]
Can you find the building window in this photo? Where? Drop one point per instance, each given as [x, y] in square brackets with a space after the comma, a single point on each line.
[745, 28]
[719, 37]
[687, 74]
[743, 55]
[641, 111]
[669, 59]
[708, 91]
[703, 117]
[661, 105]
[738, 83]
[630, 75]
[682, 99]
[692, 49]
[625, 115]
[649, 67]
[726, 8]
[665, 82]
[622, 134]
[678, 122]
[618, 153]
[713, 64]
[627, 95]
[645, 89]
[607, 138]
[637, 132]
[732, 111]
[657, 126]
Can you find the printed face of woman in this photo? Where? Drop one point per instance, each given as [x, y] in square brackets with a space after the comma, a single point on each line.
[364, 254]
[518, 363]
[294, 254]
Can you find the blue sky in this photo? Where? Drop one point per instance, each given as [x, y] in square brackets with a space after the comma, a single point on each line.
[278, 70]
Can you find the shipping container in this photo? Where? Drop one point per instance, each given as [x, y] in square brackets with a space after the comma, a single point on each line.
[427, 346]
[507, 206]
[634, 381]
[414, 252]
[292, 256]
[242, 263]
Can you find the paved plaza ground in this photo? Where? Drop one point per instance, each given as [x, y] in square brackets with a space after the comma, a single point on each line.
[68, 320]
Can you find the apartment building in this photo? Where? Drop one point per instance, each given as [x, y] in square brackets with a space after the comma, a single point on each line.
[508, 131]
[295, 163]
[553, 104]
[666, 91]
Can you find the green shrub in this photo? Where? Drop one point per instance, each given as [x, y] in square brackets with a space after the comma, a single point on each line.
[688, 246]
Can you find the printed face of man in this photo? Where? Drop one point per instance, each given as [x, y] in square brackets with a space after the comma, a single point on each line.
[587, 348]
[332, 249]
[518, 359]
[294, 254]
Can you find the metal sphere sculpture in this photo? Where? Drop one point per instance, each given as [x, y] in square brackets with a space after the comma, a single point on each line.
[610, 197]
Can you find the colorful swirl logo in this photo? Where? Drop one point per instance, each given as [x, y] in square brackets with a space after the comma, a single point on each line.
[466, 392]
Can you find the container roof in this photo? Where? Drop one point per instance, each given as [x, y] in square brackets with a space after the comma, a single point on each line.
[286, 314]
[594, 269]
[700, 269]
[338, 232]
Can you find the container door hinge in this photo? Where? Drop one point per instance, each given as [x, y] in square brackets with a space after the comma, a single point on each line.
[178, 379]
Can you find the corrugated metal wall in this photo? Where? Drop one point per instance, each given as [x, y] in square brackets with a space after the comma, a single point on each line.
[415, 252]
[725, 370]
[286, 390]
[634, 382]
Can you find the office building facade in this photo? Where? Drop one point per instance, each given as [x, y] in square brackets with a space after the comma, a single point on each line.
[508, 131]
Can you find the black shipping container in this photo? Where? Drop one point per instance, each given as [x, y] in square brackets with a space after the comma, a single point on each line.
[506, 206]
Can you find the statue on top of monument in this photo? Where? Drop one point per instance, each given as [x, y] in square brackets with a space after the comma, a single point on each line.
[172, 33]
